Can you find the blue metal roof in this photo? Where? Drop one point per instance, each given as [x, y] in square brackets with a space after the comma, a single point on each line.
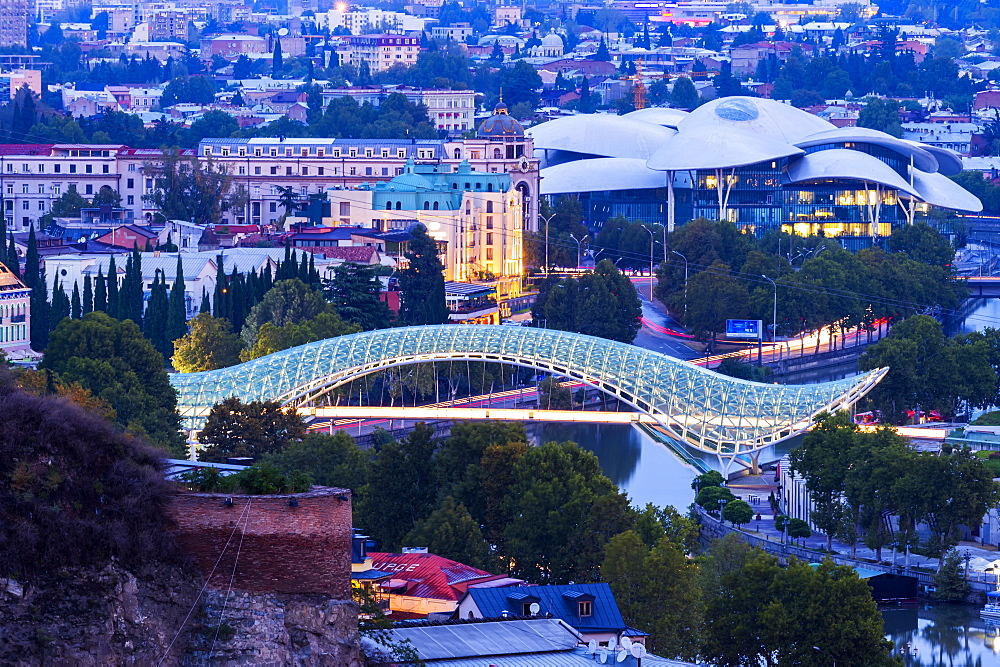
[555, 600]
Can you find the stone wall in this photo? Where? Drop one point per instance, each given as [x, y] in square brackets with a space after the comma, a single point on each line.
[292, 544]
[271, 629]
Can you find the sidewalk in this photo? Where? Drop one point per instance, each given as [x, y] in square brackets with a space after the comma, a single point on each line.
[764, 529]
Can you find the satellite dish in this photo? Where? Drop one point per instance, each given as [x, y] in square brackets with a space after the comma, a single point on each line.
[612, 644]
[626, 643]
[621, 656]
[604, 656]
[282, 32]
[592, 647]
[534, 608]
[638, 651]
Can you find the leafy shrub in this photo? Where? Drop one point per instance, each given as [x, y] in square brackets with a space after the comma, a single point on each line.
[75, 490]
[258, 480]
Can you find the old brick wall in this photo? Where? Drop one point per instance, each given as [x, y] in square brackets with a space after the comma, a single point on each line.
[282, 549]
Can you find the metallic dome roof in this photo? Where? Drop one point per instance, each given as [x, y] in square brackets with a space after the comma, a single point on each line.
[601, 174]
[777, 121]
[600, 134]
[500, 125]
[842, 163]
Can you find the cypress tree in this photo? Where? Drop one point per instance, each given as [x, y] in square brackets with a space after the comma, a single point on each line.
[313, 273]
[221, 303]
[100, 292]
[76, 308]
[39, 314]
[31, 265]
[206, 306]
[15, 263]
[303, 274]
[421, 283]
[237, 301]
[60, 308]
[266, 283]
[177, 312]
[276, 59]
[88, 295]
[135, 289]
[114, 308]
[156, 316]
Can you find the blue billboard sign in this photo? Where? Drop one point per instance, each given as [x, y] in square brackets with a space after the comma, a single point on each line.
[743, 329]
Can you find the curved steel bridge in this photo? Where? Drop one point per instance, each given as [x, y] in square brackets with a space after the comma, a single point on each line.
[713, 413]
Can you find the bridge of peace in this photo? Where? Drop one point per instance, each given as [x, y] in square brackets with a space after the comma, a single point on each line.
[701, 409]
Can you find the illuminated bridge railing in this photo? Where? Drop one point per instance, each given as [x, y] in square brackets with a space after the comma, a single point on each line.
[712, 412]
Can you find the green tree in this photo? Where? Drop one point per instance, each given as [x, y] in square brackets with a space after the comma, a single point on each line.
[209, 344]
[276, 59]
[187, 187]
[709, 497]
[766, 614]
[738, 512]
[922, 243]
[213, 124]
[328, 460]
[355, 292]
[521, 84]
[60, 307]
[421, 283]
[115, 362]
[602, 302]
[882, 115]
[713, 296]
[106, 196]
[156, 314]
[271, 338]
[254, 429]
[176, 306]
[553, 396]
[656, 591]
[451, 532]
[557, 492]
[950, 584]
[683, 95]
[287, 302]
[400, 489]
[67, 205]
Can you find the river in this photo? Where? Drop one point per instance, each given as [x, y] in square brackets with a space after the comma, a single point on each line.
[943, 634]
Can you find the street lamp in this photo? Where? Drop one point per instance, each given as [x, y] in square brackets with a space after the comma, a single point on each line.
[722, 504]
[685, 282]
[774, 323]
[832, 661]
[578, 242]
[547, 221]
[651, 237]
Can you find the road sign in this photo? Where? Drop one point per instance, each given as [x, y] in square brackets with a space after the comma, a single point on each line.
[743, 329]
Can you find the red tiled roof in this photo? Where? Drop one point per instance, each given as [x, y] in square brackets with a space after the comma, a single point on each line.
[357, 254]
[431, 576]
[25, 149]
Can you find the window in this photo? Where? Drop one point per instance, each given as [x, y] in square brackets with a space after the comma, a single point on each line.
[273, 207]
[130, 183]
[41, 189]
[274, 171]
[345, 208]
[497, 154]
[321, 170]
[585, 608]
[131, 167]
[72, 169]
[24, 188]
[305, 171]
[489, 207]
[436, 206]
[25, 168]
[489, 254]
[59, 168]
[41, 169]
[399, 205]
[320, 152]
[243, 171]
[427, 205]
[105, 169]
[368, 171]
[354, 171]
[25, 205]
[90, 189]
[89, 168]
[288, 171]
[489, 222]
[56, 189]
[256, 171]
[130, 200]
[41, 205]
[489, 238]
[526, 608]
[305, 152]
[10, 188]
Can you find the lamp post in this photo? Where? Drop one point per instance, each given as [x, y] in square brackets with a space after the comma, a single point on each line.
[578, 242]
[774, 313]
[685, 282]
[832, 661]
[722, 504]
[651, 237]
[547, 221]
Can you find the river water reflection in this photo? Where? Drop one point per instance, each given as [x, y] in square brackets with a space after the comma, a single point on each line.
[943, 634]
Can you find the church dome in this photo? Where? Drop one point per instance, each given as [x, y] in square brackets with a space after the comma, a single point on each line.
[552, 39]
[500, 125]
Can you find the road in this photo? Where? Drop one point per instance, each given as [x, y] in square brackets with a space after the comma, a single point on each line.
[656, 326]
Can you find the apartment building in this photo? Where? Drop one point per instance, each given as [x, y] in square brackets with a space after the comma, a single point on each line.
[14, 22]
[453, 111]
[33, 175]
[380, 51]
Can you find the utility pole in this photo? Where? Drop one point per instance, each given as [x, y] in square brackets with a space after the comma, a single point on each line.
[651, 237]
[774, 321]
[547, 220]
[685, 282]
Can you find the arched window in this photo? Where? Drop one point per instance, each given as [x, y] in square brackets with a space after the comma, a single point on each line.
[458, 153]
[497, 154]
[489, 207]
[435, 206]
[489, 187]
[399, 206]
[427, 205]
[388, 206]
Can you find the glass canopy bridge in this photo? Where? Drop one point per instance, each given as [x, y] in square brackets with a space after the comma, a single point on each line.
[712, 413]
